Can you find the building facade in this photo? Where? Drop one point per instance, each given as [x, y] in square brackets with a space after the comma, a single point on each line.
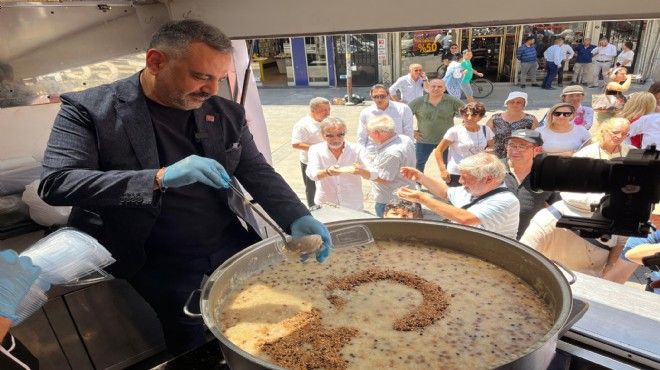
[383, 57]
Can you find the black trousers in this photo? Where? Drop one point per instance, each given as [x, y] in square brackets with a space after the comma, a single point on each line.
[166, 282]
[560, 73]
[310, 186]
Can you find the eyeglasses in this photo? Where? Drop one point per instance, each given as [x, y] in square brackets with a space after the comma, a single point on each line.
[417, 70]
[330, 136]
[518, 147]
[565, 114]
[378, 96]
[618, 133]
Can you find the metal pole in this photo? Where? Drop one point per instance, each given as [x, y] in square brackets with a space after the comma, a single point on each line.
[349, 76]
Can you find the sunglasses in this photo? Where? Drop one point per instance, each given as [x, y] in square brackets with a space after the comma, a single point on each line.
[330, 136]
[565, 114]
[379, 96]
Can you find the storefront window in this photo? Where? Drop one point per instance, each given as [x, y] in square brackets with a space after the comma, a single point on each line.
[487, 31]
[425, 48]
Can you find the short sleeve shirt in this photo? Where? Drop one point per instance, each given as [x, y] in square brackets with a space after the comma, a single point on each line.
[560, 142]
[434, 121]
[306, 131]
[465, 144]
[499, 213]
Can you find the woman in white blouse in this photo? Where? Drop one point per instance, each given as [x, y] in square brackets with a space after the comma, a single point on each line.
[463, 141]
[560, 136]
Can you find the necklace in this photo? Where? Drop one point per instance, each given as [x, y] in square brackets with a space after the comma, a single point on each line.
[474, 148]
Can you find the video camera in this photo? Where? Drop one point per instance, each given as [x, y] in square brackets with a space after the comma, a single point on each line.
[631, 186]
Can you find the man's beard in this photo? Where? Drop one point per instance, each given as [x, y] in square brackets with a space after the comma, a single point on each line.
[186, 104]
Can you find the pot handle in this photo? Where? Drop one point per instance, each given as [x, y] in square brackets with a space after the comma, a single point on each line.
[185, 307]
[569, 272]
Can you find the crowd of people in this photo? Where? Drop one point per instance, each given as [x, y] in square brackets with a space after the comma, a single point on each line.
[484, 166]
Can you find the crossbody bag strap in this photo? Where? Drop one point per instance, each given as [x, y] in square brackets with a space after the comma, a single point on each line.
[484, 196]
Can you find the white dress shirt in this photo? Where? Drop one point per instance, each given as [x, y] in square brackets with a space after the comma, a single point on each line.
[399, 112]
[604, 53]
[343, 190]
[306, 131]
[567, 51]
[554, 54]
[410, 89]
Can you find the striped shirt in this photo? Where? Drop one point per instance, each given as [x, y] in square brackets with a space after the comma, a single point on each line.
[526, 54]
[499, 213]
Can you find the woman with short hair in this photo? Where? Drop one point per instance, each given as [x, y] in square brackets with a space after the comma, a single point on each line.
[463, 141]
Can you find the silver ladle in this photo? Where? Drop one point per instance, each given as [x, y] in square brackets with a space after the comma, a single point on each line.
[296, 246]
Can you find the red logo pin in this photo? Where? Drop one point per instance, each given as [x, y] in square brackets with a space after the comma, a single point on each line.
[210, 118]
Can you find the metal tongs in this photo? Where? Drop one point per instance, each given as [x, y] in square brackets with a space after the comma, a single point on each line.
[300, 246]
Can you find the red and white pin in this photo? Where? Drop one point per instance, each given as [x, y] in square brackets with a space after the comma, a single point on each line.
[210, 118]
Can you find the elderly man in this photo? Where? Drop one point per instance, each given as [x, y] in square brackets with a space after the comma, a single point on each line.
[582, 69]
[526, 55]
[554, 56]
[146, 163]
[521, 148]
[307, 132]
[483, 200]
[604, 54]
[435, 115]
[399, 113]
[410, 86]
[338, 167]
[393, 152]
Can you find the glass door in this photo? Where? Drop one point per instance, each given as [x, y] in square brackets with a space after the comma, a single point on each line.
[317, 62]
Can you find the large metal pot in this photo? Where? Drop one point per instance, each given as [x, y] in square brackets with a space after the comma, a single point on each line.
[529, 265]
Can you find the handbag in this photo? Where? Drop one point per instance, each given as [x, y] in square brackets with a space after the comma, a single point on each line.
[608, 103]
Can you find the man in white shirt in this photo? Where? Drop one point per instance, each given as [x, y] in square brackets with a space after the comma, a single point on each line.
[411, 85]
[338, 167]
[393, 152]
[399, 112]
[483, 201]
[603, 56]
[568, 53]
[307, 132]
[553, 58]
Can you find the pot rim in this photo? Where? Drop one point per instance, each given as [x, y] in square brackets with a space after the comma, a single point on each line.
[564, 309]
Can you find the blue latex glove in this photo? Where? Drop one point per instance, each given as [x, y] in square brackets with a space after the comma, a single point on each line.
[308, 225]
[194, 169]
[17, 274]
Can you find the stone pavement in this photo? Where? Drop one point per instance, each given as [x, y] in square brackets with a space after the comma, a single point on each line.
[283, 107]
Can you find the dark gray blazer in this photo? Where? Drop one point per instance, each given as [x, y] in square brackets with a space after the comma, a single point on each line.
[101, 158]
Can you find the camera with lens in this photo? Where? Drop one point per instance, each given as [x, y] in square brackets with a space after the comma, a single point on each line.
[631, 185]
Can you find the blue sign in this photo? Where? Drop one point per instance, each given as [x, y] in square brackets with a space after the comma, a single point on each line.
[342, 77]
